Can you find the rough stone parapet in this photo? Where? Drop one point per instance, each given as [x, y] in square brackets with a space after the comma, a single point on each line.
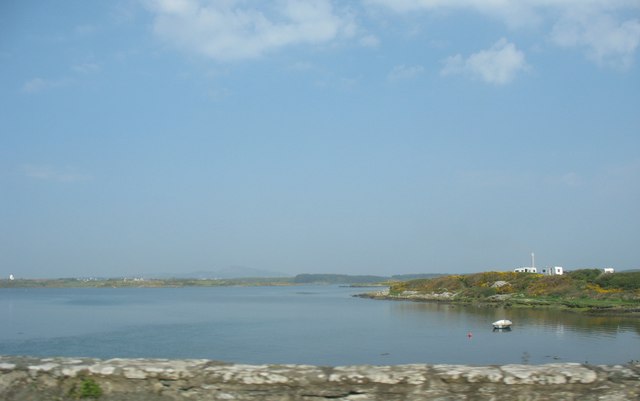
[30, 379]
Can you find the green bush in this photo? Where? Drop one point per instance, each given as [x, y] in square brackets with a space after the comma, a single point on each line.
[479, 292]
[87, 388]
[623, 281]
[588, 275]
[579, 284]
[549, 286]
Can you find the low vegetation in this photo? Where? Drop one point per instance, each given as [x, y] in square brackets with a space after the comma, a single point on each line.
[86, 388]
[588, 288]
[140, 283]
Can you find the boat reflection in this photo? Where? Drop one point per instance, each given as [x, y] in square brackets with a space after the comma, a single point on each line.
[551, 320]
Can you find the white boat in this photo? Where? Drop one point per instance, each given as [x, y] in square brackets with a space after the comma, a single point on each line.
[502, 324]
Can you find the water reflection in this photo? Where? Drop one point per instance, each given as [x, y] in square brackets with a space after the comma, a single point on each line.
[537, 336]
[307, 324]
[552, 320]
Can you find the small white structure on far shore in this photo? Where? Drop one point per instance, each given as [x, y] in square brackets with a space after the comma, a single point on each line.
[11, 278]
[553, 271]
[609, 270]
[550, 271]
[528, 269]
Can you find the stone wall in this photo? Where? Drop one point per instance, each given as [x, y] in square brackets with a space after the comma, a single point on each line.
[31, 379]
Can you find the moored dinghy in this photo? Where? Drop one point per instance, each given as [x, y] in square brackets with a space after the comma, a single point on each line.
[502, 324]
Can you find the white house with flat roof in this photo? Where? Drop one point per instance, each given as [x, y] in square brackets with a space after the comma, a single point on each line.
[528, 269]
[525, 270]
[553, 271]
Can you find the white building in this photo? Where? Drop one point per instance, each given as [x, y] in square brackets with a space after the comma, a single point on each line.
[525, 270]
[553, 271]
[11, 277]
[609, 270]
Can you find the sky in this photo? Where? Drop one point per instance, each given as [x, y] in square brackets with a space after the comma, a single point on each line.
[318, 136]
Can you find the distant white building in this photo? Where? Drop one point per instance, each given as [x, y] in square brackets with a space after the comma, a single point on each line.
[609, 270]
[550, 271]
[528, 269]
[525, 270]
[11, 278]
[553, 271]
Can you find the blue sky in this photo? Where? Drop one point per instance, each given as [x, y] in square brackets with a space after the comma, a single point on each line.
[367, 137]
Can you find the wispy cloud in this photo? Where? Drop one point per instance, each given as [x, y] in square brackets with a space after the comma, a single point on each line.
[405, 72]
[49, 173]
[86, 68]
[124, 12]
[303, 66]
[497, 65]
[607, 41]
[598, 26]
[231, 30]
[36, 85]
[369, 41]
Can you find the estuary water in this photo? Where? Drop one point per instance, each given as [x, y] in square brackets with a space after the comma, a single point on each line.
[320, 325]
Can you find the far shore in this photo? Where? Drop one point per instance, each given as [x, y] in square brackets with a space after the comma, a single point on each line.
[512, 302]
[142, 283]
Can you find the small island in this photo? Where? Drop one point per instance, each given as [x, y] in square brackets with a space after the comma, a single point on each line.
[587, 290]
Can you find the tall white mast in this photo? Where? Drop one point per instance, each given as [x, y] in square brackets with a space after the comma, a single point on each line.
[533, 260]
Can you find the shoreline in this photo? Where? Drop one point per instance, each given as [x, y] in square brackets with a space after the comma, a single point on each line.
[525, 303]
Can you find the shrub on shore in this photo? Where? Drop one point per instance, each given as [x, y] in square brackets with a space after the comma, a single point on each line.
[580, 284]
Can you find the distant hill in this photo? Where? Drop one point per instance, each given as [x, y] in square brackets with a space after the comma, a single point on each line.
[336, 279]
[225, 273]
[359, 279]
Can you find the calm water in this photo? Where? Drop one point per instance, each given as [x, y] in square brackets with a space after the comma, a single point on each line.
[319, 325]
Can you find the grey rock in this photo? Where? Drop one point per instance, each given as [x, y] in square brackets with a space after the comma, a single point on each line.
[31, 379]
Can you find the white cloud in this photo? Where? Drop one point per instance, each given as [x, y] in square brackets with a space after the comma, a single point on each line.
[516, 9]
[497, 65]
[302, 66]
[599, 26]
[369, 41]
[234, 30]
[513, 12]
[403, 72]
[48, 173]
[607, 41]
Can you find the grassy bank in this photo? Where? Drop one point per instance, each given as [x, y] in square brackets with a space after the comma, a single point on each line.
[582, 290]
